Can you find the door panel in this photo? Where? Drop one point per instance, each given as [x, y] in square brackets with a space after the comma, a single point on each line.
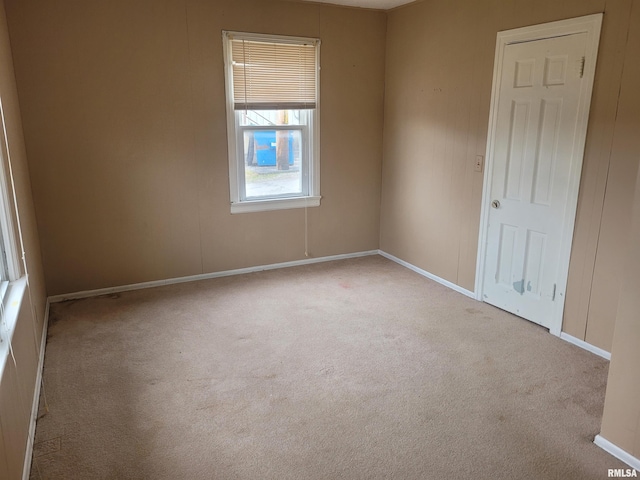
[536, 125]
[546, 151]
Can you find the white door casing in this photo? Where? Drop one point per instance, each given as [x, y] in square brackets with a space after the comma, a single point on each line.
[543, 79]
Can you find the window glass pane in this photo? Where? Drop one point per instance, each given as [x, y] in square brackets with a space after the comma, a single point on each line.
[4, 268]
[273, 162]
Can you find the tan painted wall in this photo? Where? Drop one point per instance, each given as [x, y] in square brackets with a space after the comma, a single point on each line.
[124, 117]
[621, 418]
[611, 256]
[438, 86]
[17, 388]
[20, 170]
[17, 381]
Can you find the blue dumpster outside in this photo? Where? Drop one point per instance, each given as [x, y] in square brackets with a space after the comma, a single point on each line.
[265, 143]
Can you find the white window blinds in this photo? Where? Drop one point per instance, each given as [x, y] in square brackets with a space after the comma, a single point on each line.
[273, 75]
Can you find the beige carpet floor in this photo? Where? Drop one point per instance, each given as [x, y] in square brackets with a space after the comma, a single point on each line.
[355, 369]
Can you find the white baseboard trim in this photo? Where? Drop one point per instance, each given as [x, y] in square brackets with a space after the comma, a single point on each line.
[430, 276]
[617, 452]
[204, 276]
[587, 346]
[26, 470]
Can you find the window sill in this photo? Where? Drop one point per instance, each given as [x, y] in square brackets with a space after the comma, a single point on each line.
[275, 204]
[11, 301]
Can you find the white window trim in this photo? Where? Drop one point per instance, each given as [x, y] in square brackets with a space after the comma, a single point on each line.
[11, 304]
[312, 199]
[275, 204]
[8, 225]
[12, 289]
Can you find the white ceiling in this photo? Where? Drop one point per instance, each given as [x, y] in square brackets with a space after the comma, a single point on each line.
[379, 4]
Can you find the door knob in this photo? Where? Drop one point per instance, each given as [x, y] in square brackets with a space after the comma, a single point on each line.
[495, 204]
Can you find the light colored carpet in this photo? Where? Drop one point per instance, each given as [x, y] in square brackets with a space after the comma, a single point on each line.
[357, 369]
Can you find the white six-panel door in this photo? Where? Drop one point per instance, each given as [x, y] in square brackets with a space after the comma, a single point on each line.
[534, 146]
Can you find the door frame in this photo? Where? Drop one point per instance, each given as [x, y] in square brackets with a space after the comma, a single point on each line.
[591, 25]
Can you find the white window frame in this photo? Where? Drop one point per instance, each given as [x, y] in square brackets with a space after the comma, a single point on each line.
[310, 132]
[10, 258]
[13, 280]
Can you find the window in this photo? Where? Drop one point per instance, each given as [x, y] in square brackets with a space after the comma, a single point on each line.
[12, 277]
[272, 85]
[10, 264]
